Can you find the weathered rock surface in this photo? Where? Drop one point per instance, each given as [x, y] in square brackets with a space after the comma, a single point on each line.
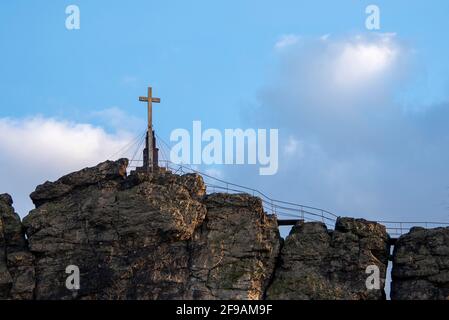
[160, 236]
[16, 262]
[421, 265]
[148, 237]
[318, 264]
[235, 250]
[105, 171]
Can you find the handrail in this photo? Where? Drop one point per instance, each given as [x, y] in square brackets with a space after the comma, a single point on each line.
[250, 189]
[294, 210]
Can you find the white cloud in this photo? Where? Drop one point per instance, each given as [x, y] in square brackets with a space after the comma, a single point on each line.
[286, 41]
[359, 61]
[337, 79]
[361, 154]
[37, 149]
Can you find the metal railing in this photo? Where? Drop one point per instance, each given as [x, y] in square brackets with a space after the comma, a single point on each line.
[284, 209]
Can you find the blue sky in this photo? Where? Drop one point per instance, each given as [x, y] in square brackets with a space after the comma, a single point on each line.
[218, 62]
[199, 55]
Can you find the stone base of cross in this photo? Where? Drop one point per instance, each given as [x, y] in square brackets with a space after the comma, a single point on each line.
[146, 159]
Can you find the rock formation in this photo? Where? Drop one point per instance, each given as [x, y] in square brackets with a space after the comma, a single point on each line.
[143, 236]
[16, 262]
[421, 265]
[320, 264]
[234, 252]
[161, 236]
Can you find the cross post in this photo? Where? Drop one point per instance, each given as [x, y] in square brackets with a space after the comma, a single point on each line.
[149, 152]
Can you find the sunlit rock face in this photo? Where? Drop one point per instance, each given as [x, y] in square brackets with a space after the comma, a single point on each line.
[235, 250]
[421, 265]
[148, 236]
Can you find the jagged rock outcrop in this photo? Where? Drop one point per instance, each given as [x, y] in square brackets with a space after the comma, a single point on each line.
[235, 250]
[146, 236]
[320, 264]
[421, 265]
[16, 262]
[104, 172]
[160, 236]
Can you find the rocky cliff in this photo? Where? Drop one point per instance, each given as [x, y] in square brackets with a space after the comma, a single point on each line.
[421, 265]
[16, 262]
[317, 263]
[161, 236]
[143, 236]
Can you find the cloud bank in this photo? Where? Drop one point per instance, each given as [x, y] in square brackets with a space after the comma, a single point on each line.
[349, 145]
[37, 149]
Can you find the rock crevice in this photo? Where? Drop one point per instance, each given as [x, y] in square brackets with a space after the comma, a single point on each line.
[16, 262]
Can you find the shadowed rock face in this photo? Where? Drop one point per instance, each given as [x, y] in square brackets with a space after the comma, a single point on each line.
[318, 264]
[421, 265]
[16, 262]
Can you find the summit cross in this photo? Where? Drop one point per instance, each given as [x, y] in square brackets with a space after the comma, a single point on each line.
[149, 154]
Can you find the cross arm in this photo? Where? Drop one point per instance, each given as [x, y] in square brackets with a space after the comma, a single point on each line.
[145, 99]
